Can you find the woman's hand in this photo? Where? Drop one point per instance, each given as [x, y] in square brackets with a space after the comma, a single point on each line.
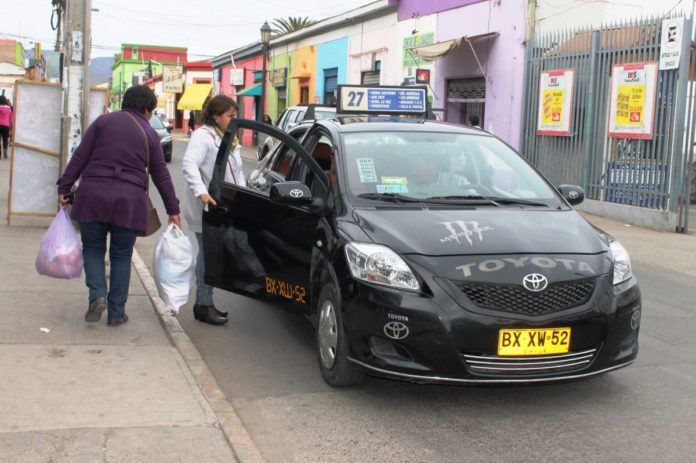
[205, 199]
[176, 220]
[63, 201]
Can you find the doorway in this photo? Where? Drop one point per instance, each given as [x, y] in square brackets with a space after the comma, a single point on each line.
[466, 101]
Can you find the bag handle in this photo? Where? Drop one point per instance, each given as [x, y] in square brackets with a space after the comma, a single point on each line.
[147, 148]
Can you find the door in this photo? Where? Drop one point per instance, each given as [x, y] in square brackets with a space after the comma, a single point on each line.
[252, 245]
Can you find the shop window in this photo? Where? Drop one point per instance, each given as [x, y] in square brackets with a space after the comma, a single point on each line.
[466, 101]
[371, 77]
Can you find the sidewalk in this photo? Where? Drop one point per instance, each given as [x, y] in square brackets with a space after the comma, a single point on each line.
[85, 392]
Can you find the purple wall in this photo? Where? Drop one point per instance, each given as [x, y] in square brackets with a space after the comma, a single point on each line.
[407, 8]
[502, 56]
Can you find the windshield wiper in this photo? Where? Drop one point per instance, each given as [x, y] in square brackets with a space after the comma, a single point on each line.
[523, 202]
[393, 197]
[477, 199]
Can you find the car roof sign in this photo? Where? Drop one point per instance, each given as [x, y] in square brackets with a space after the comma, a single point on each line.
[382, 99]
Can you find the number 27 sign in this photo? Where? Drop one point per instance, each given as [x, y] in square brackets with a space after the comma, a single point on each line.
[381, 100]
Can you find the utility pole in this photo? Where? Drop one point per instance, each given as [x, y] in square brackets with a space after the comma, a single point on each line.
[77, 42]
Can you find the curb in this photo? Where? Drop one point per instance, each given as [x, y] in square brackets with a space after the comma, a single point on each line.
[236, 434]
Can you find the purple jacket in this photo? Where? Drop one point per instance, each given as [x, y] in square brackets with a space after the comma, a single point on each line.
[112, 162]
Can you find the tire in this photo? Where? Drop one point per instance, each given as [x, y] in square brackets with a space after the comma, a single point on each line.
[332, 343]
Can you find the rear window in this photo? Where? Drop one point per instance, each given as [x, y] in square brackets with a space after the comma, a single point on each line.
[323, 114]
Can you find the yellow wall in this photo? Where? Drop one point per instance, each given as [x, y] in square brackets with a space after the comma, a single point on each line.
[304, 62]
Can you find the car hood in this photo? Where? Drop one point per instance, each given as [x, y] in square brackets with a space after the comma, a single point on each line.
[449, 232]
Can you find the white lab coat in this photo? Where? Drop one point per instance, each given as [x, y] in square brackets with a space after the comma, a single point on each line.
[198, 164]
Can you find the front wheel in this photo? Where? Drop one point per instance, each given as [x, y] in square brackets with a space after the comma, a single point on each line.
[332, 343]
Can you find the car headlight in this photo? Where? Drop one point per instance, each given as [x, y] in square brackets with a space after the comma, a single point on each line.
[379, 264]
[622, 263]
[166, 139]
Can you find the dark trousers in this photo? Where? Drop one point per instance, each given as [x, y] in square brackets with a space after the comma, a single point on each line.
[5, 134]
[120, 253]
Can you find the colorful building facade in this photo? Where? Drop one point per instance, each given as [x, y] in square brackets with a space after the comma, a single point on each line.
[141, 62]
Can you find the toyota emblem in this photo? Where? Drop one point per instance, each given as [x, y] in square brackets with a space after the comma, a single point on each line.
[296, 193]
[396, 330]
[535, 282]
[572, 194]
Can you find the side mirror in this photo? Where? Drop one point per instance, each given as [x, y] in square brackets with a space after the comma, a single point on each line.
[291, 193]
[572, 193]
[170, 128]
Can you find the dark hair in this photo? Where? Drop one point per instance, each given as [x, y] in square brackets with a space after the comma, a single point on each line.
[219, 104]
[474, 119]
[139, 98]
[3, 100]
[267, 119]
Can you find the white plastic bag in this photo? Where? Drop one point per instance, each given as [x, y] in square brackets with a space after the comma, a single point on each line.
[174, 265]
[60, 254]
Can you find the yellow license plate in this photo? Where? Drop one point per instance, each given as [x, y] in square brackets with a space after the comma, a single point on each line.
[543, 341]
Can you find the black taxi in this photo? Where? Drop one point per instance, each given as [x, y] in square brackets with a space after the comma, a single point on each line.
[422, 251]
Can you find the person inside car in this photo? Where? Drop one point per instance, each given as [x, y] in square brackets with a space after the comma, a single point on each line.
[428, 179]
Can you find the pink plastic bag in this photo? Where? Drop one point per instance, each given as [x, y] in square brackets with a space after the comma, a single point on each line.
[60, 254]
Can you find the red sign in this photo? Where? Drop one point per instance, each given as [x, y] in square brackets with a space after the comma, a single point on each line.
[422, 76]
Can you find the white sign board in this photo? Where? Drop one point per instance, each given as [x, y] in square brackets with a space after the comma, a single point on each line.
[35, 150]
[632, 103]
[172, 79]
[671, 43]
[237, 76]
[97, 103]
[555, 101]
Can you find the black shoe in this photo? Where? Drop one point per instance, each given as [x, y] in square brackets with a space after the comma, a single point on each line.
[208, 314]
[219, 312]
[118, 322]
[96, 307]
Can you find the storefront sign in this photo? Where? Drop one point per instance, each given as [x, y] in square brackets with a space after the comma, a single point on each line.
[555, 101]
[632, 103]
[410, 59]
[279, 77]
[237, 76]
[172, 79]
[670, 45]
[381, 99]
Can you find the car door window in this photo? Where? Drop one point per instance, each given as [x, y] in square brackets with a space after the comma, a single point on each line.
[276, 166]
[322, 151]
[289, 119]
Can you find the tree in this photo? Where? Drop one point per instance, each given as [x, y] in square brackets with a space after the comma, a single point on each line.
[291, 24]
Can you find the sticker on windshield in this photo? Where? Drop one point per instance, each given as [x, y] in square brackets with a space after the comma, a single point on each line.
[366, 169]
[392, 188]
[394, 180]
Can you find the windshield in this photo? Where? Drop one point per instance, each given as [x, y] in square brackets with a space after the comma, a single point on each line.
[440, 166]
[156, 123]
[320, 115]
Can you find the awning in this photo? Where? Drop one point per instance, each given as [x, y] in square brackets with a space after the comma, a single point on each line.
[437, 50]
[254, 90]
[302, 75]
[194, 96]
[162, 100]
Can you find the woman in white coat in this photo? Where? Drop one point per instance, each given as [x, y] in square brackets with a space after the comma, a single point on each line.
[197, 165]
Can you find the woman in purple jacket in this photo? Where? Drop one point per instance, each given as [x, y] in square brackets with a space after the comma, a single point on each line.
[111, 197]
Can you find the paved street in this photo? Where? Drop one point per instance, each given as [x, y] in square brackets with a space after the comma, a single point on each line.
[265, 362]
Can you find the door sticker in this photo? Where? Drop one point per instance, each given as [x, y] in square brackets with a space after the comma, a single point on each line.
[286, 290]
[366, 170]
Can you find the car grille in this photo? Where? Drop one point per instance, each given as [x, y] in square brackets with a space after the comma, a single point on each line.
[516, 299]
[493, 365]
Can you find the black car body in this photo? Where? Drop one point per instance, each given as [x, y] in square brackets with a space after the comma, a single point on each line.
[165, 136]
[476, 287]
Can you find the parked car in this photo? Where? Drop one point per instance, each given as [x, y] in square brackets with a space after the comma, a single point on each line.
[165, 134]
[292, 116]
[423, 251]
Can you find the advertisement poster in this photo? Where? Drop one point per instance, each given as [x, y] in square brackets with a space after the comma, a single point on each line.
[555, 101]
[172, 79]
[632, 103]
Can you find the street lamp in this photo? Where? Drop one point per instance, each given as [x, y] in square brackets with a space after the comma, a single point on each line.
[265, 40]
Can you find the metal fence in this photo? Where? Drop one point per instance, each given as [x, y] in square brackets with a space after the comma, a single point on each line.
[651, 174]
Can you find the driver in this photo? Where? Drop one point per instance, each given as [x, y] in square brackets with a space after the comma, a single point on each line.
[427, 179]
